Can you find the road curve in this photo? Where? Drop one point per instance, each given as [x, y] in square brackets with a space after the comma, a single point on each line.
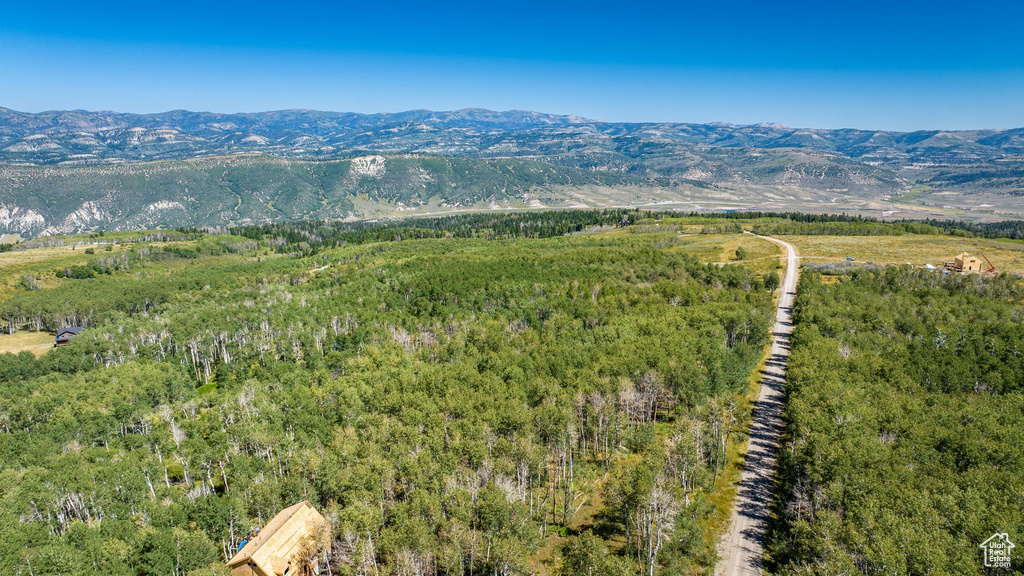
[741, 548]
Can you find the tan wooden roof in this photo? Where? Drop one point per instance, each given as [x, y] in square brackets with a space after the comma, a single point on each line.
[278, 541]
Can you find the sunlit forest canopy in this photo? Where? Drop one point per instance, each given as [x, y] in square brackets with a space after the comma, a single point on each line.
[904, 449]
[451, 401]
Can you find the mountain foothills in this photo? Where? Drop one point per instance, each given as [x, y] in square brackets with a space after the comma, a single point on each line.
[71, 171]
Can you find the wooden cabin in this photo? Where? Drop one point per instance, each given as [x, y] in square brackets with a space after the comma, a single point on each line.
[289, 545]
[964, 263]
[64, 335]
[967, 263]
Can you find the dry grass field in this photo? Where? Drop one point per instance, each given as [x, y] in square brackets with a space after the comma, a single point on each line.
[1006, 255]
[41, 262]
[761, 255]
[37, 343]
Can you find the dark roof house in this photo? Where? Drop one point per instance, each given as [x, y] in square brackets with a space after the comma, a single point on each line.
[64, 335]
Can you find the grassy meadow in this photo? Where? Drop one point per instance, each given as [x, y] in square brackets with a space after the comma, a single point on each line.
[38, 343]
[1006, 255]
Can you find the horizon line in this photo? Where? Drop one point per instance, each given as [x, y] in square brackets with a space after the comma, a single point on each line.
[578, 118]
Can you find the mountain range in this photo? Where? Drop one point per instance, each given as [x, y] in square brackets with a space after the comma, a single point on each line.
[67, 171]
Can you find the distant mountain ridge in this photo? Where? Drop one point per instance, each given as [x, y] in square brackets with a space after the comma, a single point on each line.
[78, 136]
[508, 159]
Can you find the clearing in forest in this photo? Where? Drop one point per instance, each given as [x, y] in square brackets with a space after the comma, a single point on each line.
[38, 343]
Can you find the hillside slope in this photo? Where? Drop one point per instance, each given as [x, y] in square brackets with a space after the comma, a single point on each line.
[75, 170]
[246, 189]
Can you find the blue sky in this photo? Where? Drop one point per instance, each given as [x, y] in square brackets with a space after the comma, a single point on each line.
[889, 65]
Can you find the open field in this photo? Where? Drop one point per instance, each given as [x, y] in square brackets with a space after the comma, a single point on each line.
[1006, 255]
[40, 262]
[761, 255]
[43, 263]
[38, 343]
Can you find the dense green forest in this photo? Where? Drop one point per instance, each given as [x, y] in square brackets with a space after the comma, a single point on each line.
[855, 225]
[499, 393]
[316, 233]
[312, 235]
[449, 400]
[905, 412]
[845, 228]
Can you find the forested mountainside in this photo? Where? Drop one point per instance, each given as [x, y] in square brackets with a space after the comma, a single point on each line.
[291, 164]
[61, 136]
[218, 191]
[453, 405]
[905, 409]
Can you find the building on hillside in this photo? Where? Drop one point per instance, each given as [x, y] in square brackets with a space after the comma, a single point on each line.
[64, 335]
[291, 544]
[964, 263]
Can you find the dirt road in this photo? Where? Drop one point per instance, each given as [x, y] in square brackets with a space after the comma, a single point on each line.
[742, 546]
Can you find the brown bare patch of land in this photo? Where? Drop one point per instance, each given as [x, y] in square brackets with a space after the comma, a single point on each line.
[38, 343]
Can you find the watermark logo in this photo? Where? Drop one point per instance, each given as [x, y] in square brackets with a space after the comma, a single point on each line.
[997, 550]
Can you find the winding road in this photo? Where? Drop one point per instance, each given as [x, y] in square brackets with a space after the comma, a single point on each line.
[742, 546]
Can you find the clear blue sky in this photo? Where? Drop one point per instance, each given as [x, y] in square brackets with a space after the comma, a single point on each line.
[890, 65]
